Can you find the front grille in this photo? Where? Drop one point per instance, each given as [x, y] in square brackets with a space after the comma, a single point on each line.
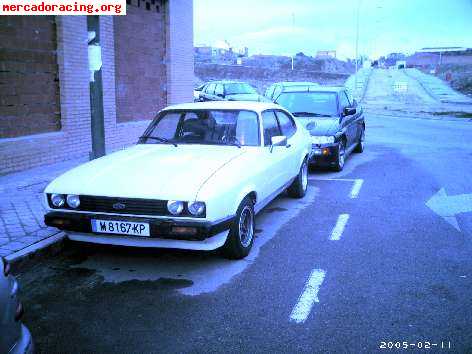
[131, 205]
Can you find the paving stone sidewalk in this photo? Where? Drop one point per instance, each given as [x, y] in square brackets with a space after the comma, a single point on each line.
[22, 209]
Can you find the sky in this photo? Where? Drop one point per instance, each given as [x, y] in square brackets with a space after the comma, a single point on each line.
[285, 27]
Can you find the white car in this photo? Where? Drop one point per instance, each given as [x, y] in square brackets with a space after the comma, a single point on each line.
[195, 180]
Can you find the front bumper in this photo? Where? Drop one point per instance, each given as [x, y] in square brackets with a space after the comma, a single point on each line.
[79, 223]
[324, 154]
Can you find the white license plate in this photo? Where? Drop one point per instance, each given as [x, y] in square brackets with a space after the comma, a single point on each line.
[316, 151]
[120, 227]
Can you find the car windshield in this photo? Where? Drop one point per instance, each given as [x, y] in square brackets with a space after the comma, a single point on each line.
[305, 104]
[207, 127]
[239, 88]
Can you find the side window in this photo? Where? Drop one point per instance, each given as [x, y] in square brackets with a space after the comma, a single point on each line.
[286, 124]
[343, 101]
[219, 89]
[270, 126]
[210, 89]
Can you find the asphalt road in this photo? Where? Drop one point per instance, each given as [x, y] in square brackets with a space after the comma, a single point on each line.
[361, 260]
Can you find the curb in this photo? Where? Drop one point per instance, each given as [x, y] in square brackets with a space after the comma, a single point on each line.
[430, 117]
[51, 245]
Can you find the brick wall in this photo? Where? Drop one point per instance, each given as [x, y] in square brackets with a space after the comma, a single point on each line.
[140, 48]
[29, 90]
[179, 51]
[74, 138]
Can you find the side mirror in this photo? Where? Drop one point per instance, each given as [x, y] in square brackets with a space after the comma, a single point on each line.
[348, 111]
[278, 140]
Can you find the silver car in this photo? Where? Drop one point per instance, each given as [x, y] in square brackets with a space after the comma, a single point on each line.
[14, 336]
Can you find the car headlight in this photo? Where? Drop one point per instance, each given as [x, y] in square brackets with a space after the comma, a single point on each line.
[322, 139]
[196, 208]
[57, 200]
[175, 207]
[73, 201]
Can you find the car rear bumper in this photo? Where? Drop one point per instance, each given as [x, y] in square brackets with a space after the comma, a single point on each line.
[78, 226]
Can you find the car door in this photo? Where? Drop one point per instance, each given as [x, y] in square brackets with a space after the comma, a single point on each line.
[289, 129]
[358, 118]
[348, 121]
[274, 172]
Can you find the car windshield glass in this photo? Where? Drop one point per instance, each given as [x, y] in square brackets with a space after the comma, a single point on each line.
[239, 88]
[207, 127]
[309, 103]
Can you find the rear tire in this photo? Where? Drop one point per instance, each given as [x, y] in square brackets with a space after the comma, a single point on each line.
[299, 186]
[241, 235]
[360, 145]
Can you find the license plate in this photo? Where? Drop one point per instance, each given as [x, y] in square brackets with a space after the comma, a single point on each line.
[316, 151]
[120, 227]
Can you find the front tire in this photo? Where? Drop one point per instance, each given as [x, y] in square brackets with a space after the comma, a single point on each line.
[360, 145]
[299, 186]
[241, 235]
[341, 158]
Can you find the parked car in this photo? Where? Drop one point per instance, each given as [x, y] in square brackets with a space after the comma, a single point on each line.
[334, 120]
[230, 91]
[274, 90]
[197, 91]
[15, 338]
[195, 180]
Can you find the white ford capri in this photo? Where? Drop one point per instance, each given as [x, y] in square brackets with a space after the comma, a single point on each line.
[195, 180]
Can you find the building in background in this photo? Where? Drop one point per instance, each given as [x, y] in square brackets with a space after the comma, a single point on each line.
[220, 52]
[146, 62]
[322, 54]
[430, 58]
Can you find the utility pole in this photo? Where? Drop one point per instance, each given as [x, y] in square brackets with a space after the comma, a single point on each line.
[293, 33]
[357, 44]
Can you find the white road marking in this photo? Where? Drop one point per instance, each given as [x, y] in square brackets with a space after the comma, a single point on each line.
[356, 188]
[339, 228]
[308, 297]
[447, 206]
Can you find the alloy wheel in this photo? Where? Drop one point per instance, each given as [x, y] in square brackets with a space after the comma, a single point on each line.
[246, 226]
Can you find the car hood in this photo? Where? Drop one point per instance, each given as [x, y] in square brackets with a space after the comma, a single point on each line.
[245, 97]
[156, 171]
[321, 126]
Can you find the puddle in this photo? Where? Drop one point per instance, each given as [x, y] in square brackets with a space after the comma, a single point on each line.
[194, 273]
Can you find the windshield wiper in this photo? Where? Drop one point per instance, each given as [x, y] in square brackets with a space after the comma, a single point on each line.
[162, 140]
[233, 141]
[311, 114]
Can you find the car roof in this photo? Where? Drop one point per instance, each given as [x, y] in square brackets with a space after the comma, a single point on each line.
[226, 82]
[319, 89]
[236, 105]
[296, 83]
